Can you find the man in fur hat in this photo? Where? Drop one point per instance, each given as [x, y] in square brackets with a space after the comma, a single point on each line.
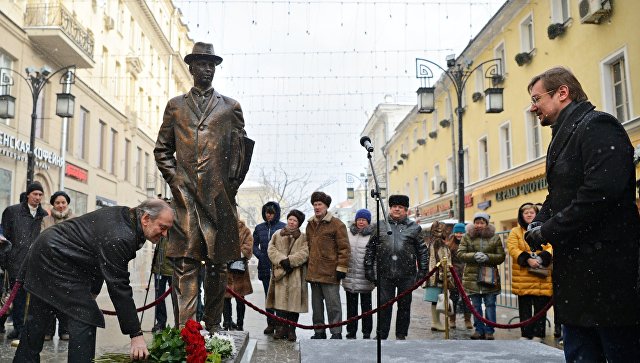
[400, 253]
[203, 153]
[329, 253]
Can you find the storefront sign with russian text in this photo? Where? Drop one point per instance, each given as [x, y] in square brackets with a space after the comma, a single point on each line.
[14, 148]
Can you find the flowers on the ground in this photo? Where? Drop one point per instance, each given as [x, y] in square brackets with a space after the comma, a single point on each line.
[189, 345]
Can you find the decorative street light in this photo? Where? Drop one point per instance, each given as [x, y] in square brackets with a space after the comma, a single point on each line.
[36, 80]
[363, 180]
[459, 75]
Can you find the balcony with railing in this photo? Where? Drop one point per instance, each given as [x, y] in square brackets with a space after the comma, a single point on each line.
[59, 33]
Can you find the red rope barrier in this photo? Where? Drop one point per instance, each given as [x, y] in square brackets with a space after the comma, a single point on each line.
[467, 301]
[14, 291]
[344, 322]
[148, 306]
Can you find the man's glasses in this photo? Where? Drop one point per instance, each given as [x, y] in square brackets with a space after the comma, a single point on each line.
[536, 99]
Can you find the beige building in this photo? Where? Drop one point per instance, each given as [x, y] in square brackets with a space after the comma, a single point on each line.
[504, 153]
[128, 57]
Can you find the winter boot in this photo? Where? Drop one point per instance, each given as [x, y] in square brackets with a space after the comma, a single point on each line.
[436, 325]
[282, 332]
[292, 334]
[467, 321]
[452, 321]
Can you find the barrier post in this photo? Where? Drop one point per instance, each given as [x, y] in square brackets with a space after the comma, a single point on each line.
[445, 291]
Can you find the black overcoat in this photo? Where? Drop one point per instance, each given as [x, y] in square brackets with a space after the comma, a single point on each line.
[70, 260]
[591, 219]
[21, 228]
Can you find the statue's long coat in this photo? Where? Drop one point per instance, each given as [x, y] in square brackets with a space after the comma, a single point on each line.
[204, 157]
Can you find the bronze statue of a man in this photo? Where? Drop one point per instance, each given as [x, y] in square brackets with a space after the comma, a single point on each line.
[204, 154]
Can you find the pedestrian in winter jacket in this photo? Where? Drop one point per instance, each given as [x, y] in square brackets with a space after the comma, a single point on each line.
[453, 242]
[261, 236]
[435, 284]
[288, 294]
[356, 284]
[480, 248]
[591, 219]
[240, 282]
[528, 280]
[22, 224]
[399, 255]
[329, 253]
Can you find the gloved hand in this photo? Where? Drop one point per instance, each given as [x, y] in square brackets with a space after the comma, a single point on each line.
[370, 274]
[340, 275]
[533, 236]
[481, 257]
[286, 265]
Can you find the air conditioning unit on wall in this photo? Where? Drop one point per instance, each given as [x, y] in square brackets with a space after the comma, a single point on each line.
[438, 185]
[592, 11]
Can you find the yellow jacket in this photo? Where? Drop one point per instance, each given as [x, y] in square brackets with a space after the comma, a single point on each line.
[523, 282]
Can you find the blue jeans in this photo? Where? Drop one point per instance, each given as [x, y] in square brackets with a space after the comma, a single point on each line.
[489, 313]
[611, 344]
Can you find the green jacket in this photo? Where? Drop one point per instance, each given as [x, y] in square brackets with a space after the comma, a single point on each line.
[472, 242]
[161, 263]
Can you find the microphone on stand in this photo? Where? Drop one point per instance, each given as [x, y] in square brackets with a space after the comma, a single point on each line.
[365, 141]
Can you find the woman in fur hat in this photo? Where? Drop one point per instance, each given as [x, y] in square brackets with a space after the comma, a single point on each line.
[288, 295]
[481, 249]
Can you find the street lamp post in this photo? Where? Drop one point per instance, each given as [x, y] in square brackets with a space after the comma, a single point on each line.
[363, 179]
[36, 80]
[459, 75]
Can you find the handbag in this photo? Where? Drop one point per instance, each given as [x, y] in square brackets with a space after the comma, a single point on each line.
[237, 266]
[440, 305]
[488, 276]
[542, 272]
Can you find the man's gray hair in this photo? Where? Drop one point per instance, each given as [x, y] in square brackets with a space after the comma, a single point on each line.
[153, 207]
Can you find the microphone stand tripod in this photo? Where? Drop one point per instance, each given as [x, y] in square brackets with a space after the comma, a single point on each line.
[375, 193]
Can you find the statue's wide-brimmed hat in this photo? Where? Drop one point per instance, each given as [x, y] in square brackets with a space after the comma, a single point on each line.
[202, 51]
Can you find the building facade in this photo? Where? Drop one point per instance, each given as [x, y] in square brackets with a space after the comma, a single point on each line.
[504, 153]
[129, 63]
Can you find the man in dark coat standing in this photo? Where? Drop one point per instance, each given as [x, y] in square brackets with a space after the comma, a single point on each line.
[261, 237]
[67, 265]
[203, 154]
[591, 219]
[399, 254]
[22, 223]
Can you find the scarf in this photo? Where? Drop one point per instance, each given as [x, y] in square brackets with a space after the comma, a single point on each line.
[295, 233]
[60, 216]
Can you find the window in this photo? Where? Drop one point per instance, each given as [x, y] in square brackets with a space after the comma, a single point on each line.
[424, 128]
[139, 167]
[451, 171]
[505, 146]
[5, 62]
[111, 163]
[415, 137]
[427, 185]
[5, 188]
[416, 185]
[116, 81]
[407, 190]
[616, 86]
[500, 54]
[434, 121]
[559, 11]
[78, 202]
[526, 34]
[105, 66]
[479, 80]
[79, 135]
[102, 134]
[146, 172]
[483, 159]
[127, 156]
[533, 133]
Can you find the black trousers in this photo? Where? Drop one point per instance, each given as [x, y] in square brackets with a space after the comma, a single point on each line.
[403, 316]
[82, 341]
[352, 310]
[227, 312]
[528, 306]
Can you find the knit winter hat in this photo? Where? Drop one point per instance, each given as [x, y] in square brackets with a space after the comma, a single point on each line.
[34, 186]
[58, 194]
[399, 199]
[321, 197]
[298, 215]
[458, 228]
[363, 213]
[482, 215]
